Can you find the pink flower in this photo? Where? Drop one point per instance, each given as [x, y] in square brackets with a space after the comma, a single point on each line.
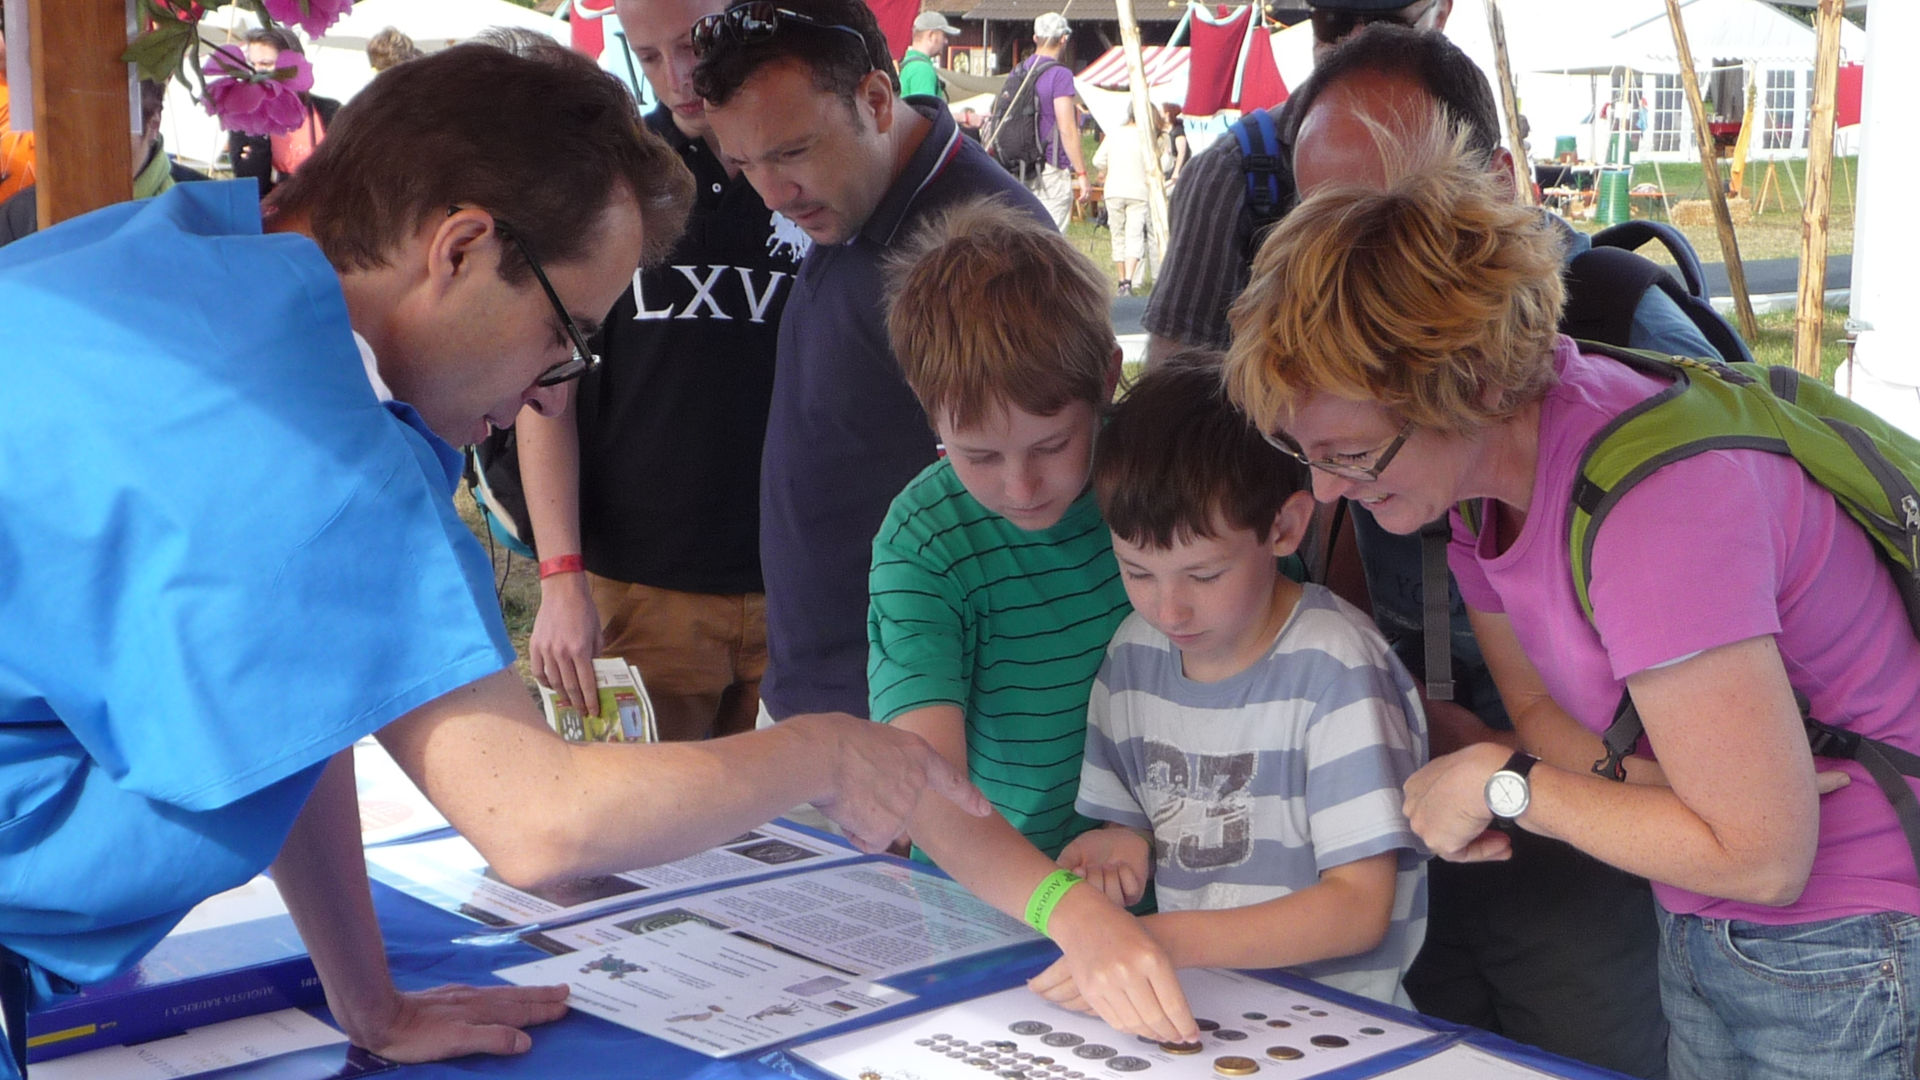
[313, 16]
[258, 103]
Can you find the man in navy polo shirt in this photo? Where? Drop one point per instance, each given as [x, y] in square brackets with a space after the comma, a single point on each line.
[650, 474]
[805, 105]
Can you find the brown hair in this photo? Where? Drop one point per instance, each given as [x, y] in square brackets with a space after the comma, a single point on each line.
[987, 307]
[279, 37]
[1438, 296]
[391, 48]
[543, 140]
[1177, 458]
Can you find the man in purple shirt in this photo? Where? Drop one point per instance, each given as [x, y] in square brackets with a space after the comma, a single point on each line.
[1062, 179]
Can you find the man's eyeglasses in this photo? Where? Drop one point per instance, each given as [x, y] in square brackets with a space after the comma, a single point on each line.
[1332, 25]
[584, 359]
[758, 20]
[1364, 467]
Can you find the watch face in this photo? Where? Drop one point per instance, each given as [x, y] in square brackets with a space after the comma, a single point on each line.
[1507, 794]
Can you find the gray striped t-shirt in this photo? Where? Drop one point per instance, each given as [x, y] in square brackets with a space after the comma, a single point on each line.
[1255, 784]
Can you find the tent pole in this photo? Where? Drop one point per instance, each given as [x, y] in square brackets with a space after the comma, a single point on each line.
[1509, 103]
[1810, 310]
[1146, 120]
[82, 105]
[1710, 169]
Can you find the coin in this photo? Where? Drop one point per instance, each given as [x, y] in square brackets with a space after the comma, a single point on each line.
[1285, 1053]
[1328, 1042]
[1062, 1038]
[1180, 1047]
[923, 1042]
[1229, 1035]
[1235, 1065]
[1316, 1012]
[1029, 1027]
[1279, 1023]
[1373, 1031]
[1206, 1025]
[1129, 1063]
[1095, 1051]
[980, 1063]
[1253, 1016]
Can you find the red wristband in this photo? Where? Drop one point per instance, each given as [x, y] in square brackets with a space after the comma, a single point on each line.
[561, 564]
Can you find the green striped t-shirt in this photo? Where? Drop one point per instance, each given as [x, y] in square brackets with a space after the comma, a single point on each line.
[968, 609]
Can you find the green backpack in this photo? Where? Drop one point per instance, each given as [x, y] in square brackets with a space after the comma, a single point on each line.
[1870, 466]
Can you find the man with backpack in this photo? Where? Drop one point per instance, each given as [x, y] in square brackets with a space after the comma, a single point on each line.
[1036, 132]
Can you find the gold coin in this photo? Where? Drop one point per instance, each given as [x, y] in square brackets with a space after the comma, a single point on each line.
[1180, 1047]
[1285, 1053]
[1235, 1065]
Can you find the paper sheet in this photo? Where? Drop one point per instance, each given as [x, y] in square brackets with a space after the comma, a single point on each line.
[1250, 1028]
[391, 807]
[449, 873]
[871, 919]
[267, 1039]
[706, 989]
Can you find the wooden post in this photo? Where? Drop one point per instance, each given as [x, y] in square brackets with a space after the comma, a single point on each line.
[82, 110]
[1143, 118]
[1497, 27]
[1810, 311]
[1710, 169]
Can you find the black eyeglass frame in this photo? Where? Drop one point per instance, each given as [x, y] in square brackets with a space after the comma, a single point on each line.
[1366, 474]
[1331, 26]
[710, 31]
[584, 359]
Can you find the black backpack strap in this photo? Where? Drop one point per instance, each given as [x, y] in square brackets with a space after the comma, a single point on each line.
[1633, 235]
[1604, 286]
[1887, 764]
[1436, 614]
[1269, 180]
[1621, 736]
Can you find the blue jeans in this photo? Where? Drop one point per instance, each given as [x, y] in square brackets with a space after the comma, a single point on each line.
[1832, 1000]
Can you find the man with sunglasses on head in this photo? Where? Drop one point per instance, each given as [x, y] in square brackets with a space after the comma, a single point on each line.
[644, 485]
[244, 554]
[1211, 228]
[802, 98]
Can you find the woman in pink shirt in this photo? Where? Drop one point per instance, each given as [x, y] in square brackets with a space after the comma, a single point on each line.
[1403, 342]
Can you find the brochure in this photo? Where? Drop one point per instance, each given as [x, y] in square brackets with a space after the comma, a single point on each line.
[626, 712]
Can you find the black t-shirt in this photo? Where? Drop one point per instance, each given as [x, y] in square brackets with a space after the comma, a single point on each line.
[671, 424]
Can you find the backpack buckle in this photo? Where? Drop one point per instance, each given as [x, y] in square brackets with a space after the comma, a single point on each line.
[1828, 741]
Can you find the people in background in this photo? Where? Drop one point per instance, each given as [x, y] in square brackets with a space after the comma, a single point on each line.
[931, 32]
[390, 47]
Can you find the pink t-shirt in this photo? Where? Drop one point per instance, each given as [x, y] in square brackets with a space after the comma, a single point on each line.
[1718, 548]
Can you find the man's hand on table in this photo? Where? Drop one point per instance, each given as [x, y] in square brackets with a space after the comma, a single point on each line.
[453, 1021]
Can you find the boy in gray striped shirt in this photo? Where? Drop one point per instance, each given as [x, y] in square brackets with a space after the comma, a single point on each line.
[1248, 735]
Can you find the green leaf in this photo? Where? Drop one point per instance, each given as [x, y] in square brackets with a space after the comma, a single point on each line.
[157, 52]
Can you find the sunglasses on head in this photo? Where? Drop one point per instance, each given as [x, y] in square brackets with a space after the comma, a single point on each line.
[1330, 25]
[758, 20]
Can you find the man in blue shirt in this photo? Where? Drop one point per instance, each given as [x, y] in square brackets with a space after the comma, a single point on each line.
[227, 549]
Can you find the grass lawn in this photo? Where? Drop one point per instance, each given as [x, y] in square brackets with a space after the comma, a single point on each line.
[1774, 232]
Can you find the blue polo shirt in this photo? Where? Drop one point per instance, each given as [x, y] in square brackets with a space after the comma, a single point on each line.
[845, 434]
[222, 559]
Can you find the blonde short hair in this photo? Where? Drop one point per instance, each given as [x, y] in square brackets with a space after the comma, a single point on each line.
[989, 307]
[1438, 296]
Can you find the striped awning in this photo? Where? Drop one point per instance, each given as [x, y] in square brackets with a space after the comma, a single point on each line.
[1164, 64]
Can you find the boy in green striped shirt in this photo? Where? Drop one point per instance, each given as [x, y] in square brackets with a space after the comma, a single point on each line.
[994, 589]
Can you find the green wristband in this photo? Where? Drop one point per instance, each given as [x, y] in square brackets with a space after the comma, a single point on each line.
[1046, 895]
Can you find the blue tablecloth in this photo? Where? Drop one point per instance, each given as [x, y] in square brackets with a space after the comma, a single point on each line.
[582, 1047]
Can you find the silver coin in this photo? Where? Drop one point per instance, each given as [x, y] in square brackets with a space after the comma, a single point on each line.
[1062, 1039]
[1230, 1034]
[1129, 1063]
[1029, 1027]
[1094, 1051]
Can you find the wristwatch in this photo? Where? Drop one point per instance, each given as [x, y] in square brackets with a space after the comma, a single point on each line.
[1508, 793]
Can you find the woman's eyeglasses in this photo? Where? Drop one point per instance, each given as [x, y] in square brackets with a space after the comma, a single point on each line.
[758, 20]
[1364, 467]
